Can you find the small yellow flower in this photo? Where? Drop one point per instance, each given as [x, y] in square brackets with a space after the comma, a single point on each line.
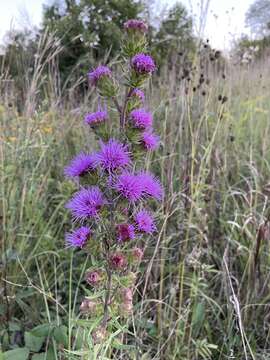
[47, 129]
[12, 138]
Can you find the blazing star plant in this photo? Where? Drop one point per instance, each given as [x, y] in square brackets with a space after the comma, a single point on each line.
[111, 210]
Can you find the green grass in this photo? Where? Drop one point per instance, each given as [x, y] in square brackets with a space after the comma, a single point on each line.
[203, 290]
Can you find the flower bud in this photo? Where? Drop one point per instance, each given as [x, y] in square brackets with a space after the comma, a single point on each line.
[134, 25]
[96, 118]
[125, 309]
[99, 334]
[135, 41]
[135, 100]
[137, 255]
[94, 277]
[126, 305]
[88, 306]
[138, 94]
[98, 74]
[101, 77]
[126, 294]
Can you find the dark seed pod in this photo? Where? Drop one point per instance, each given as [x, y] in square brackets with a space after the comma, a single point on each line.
[224, 99]
[185, 72]
[217, 54]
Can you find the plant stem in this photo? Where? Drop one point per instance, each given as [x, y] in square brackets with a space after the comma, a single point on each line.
[123, 113]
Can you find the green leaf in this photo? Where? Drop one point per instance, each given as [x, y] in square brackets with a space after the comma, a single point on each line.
[60, 335]
[17, 354]
[116, 343]
[78, 337]
[42, 330]
[13, 326]
[198, 315]
[41, 356]
[34, 343]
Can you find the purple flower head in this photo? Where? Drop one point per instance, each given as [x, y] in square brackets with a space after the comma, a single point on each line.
[80, 165]
[151, 186]
[98, 73]
[129, 187]
[118, 261]
[113, 155]
[141, 119]
[143, 64]
[125, 232]
[150, 140]
[138, 94]
[145, 222]
[134, 24]
[86, 203]
[95, 118]
[78, 237]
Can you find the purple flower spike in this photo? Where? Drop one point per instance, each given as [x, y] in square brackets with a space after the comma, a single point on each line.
[138, 94]
[95, 118]
[78, 237]
[150, 140]
[80, 165]
[98, 73]
[151, 185]
[134, 24]
[125, 232]
[129, 187]
[145, 222]
[86, 203]
[141, 119]
[143, 64]
[113, 155]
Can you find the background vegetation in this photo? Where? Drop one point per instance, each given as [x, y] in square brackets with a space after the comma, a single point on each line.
[203, 291]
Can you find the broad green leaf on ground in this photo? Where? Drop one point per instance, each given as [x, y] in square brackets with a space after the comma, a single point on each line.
[17, 354]
[34, 343]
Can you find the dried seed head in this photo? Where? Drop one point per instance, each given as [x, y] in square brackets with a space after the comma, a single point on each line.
[99, 334]
[88, 306]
